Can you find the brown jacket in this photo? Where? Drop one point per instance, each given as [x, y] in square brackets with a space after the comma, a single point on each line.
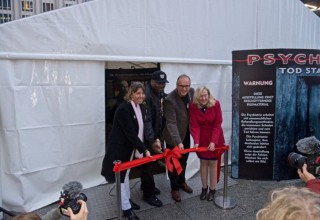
[176, 118]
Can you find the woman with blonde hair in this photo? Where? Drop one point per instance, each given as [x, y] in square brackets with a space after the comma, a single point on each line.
[291, 203]
[206, 130]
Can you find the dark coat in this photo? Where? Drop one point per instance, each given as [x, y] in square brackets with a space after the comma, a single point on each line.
[177, 118]
[123, 140]
[154, 124]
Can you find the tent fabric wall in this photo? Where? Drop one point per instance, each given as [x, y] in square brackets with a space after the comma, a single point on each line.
[219, 80]
[209, 30]
[52, 128]
[52, 75]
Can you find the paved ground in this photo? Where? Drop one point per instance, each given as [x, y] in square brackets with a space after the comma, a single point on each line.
[248, 196]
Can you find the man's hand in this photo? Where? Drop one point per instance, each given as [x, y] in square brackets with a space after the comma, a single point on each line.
[83, 213]
[304, 175]
[156, 146]
[181, 147]
[196, 146]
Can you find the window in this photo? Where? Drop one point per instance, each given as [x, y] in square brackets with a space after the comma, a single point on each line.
[27, 6]
[5, 18]
[70, 3]
[5, 5]
[47, 7]
[24, 16]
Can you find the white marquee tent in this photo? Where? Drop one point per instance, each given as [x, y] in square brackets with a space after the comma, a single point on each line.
[52, 95]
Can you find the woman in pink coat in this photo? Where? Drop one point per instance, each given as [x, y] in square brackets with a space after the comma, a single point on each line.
[206, 130]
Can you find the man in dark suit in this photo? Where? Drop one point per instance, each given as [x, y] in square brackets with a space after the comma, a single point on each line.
[176, 131]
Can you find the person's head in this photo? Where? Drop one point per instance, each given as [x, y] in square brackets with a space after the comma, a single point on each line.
[124, 86]
[158, 81]
[183, 85]
[203, 97]
[27, 216]
[136, 93]
[291, 203]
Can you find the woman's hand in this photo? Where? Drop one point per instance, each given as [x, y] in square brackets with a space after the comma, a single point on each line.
[196, 146]
[148, 154]
[211, 146]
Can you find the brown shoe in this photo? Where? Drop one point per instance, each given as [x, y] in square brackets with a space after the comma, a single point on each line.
[176, 195]
[186, 188]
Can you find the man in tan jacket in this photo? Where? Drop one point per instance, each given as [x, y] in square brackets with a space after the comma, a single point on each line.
[176, 130]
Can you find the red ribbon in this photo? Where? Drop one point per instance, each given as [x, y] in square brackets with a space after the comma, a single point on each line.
[174, 156]
[169, 155]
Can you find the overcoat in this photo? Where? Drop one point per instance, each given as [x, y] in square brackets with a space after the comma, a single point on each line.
[123, 140]
[177, 117]
[206, 127]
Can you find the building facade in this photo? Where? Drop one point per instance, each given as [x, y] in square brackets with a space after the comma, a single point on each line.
[15, 9]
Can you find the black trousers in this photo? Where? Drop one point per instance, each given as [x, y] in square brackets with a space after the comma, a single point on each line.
[147, 180]
[177, 179]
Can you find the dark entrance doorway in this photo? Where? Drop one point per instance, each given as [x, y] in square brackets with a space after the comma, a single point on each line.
[117, 80]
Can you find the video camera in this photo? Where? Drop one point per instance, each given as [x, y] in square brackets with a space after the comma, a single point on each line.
[70, 196]
[310, 154]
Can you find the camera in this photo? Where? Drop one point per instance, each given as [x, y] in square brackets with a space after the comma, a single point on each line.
[296, 160]
[309, 148]
[68, 201]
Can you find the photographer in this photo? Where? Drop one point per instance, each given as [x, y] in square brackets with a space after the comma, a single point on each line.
[312, 183]
[55, 214]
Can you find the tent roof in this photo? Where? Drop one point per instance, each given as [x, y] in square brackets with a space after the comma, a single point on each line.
[160, 30]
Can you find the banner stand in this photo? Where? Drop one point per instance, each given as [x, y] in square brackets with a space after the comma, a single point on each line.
[118, 185]
[225, 202]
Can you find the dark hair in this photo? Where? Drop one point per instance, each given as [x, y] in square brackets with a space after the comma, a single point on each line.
[134, 87]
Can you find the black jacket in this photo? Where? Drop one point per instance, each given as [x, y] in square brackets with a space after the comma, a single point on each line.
[123, 139]
[155, 119]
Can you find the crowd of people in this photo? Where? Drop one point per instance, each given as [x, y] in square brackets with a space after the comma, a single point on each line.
[148, 120]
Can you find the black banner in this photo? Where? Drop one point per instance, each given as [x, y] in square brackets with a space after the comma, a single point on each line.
[270, 109]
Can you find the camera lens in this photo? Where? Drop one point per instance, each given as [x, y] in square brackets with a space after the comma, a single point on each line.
[296, 160]
[82, 196]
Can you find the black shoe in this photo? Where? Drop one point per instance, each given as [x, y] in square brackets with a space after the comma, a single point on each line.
[211, 194]
[153, 200]
[134, 205]
[129, 214]
[203, 195]
[156, 191]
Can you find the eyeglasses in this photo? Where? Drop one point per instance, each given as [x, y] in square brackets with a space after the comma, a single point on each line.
[184, 86]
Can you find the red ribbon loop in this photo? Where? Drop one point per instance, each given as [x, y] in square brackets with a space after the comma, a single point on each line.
[169, 155]
[173, 155]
